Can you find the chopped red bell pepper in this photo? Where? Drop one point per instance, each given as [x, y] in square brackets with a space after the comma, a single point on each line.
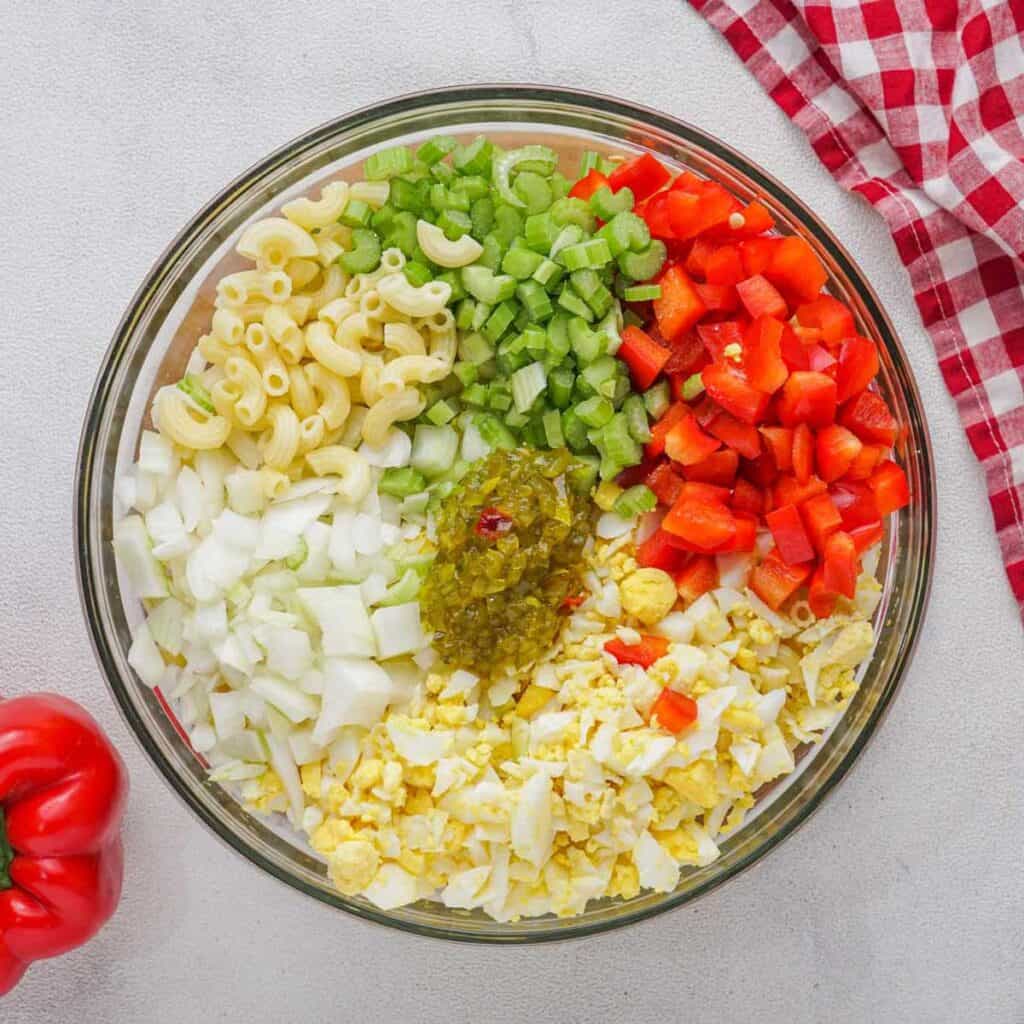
[775, 581]
[718, 468]
[706, 410]
[697, 577]
[869, 418]
[858, 366]
[700, 522]
[807, 397]
[762, 354]
[642, 175]
[745, 536]
[741, 437]
[796, 270]
[747, 498]
[756, 221]
[820, 360]
[718, 298]
[645, 653]
[643, 355]
[835, 449]
[890, 487]
[571, 601]
[679, 307]
[655, 213]
[724, 266]
[633, 475]
[729, 387]
[761, 471]
[819, 597]
[697, 259]
[688, 356]
[780, 441]
[588, 184]
[673, 711]
[717, 336]
[761, 298]
[856, 504]
[687, 444]
[658, 552]
[829, 316]
[789, 491]
[865, 537]
[660, 430]
[790, 537]
[820, 517]
[698, 490]
[793, 350]
[709, 207]
[803, 453]
[839, 562]
[665, 482]
[757, 253]
[62, 793]
[863, 465]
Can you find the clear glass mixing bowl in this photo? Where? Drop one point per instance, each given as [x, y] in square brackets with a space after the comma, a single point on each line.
[172, 307]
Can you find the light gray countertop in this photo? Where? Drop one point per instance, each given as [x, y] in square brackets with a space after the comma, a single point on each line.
[902, 899]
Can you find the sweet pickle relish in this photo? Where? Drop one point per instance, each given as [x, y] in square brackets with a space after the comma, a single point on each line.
[509, 552]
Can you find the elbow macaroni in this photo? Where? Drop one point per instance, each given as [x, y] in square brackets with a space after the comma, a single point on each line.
[398, 293]
[335, 402]
[440, 249]
[396, 408]
[338, 358]
[273, 241]
[310, 214]
[353, 469]
[280, 442]
[178, 419]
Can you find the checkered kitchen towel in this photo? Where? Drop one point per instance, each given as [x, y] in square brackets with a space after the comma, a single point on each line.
[918, 105]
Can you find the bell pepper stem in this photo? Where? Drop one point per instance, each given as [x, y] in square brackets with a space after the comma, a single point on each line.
[6, 856]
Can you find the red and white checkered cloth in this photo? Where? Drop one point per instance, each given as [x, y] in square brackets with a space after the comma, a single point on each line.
[918, 105]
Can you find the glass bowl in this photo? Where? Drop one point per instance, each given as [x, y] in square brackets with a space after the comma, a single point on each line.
[171, 309]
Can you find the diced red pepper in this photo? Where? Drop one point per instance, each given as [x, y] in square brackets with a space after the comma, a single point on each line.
[790, 537]
[697, 259]
[679, 307]
[858, 366]
[762, 354]
[664, 481]
[819, 597]
[659, 431]
[724, 266]
[705, 524]
[745, 536]
[839, 562]
[829, 316]
[687, 444]
[807, 335]
[645, 653]
[633, 475]
[741, 437]
[856, 504]
[734, 393]
[643, 355]
[674, 711]
[789, 491]
[803, 453]
[835, 449]
[820, 360]
[718, 298]
[687, 181]
[701, 491]
[869, 418]
[757, 254]
[658, 552]
[820, 517]
[706, 410]
[642, 175]
[762, 471]
[774, 581]
[571, 602]
[863, 465]
[747, 498]
[756, 221]
[588, 184]
[697, 577]
[807, 397]
[688, 356]
[718, 468]
[865, 537]
[796, 270]
[715, 337]
[890, 487]
[655, 213]
[780, 441]
[761, 298]
[793, 350]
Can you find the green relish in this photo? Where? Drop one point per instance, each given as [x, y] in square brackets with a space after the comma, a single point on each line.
[510, 542]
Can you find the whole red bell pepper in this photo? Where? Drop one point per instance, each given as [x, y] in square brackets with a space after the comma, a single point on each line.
[62, 793]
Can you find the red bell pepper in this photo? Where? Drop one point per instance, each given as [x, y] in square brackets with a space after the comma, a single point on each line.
[793, 350]
[697, 577]
[757, 253]
[789, 491]
[835, 449]
[803, 453]
[856, 504]
[791, 540]
[890, 487]
[679, 307]
[658, 552]
[775, 582]
[756, 221]
[687, 444]
[839, 562]
[643, 355]
[747, 498]
[697, 258]
[820, 360]
[718, 298]
[702, 524]
[656, 215]
[829, 316]
[761, 298]
[863, 465]
[819, 597]
[674, 711]
[745, 536]
[730, 388]
[780, 441]
[718, 468]
[821, 517]
[706, 208]
[665, 482]
[718, 336]
[762, 471]
[660, 430]
[858, 366]
[642, 175]
[808, 397]
[869, 418]
[724, 266]
[688, 355]
[645, 653]
[762, 354]
[62, 792]
[796, 270]
[865, 537]
[741, 437]
[588, 185]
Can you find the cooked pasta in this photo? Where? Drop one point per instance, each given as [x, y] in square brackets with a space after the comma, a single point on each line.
[396, 408]
[252, 404]
[280, 442]
[273, 241]
[228, 326]
[303, 397]
[398, 293]
[332, 390]
[318, 213]
[322, 346]
[336, 460]
[405, 370]
[403, 339]
[184, 424]
[302, 272]
[373, 193]
[440, 249]
[239, 288]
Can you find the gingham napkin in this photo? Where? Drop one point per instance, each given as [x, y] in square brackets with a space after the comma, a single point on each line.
[919, 106]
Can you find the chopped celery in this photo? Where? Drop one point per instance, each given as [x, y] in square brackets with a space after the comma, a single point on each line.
[535, 300]
[475, 348]
[435, 149]
[692, 387]
[560, 382]
[595, 411]
[498, 322]
[636, 419]
[486, 286]
[401, 482]
[582, 475]
[466, 373]
[657, 399]
[387, 163]
[633, 501]
[606, 204]
[626, 232]
[494, 432]
[552, 420]
[356, 214]
[643, 265]
[573, 211]
[521, 263]
[575, 431]
[402, 591]
[434, 449]
[642, 292]
[570, 301]
[527, 384]
[441, 412]
[365, 254]
[548, 273]
[594, 252]
[192, 386]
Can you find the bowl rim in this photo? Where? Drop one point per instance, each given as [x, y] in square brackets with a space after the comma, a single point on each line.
[563, 930]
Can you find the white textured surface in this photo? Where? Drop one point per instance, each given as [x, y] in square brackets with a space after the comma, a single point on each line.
[901, 900]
